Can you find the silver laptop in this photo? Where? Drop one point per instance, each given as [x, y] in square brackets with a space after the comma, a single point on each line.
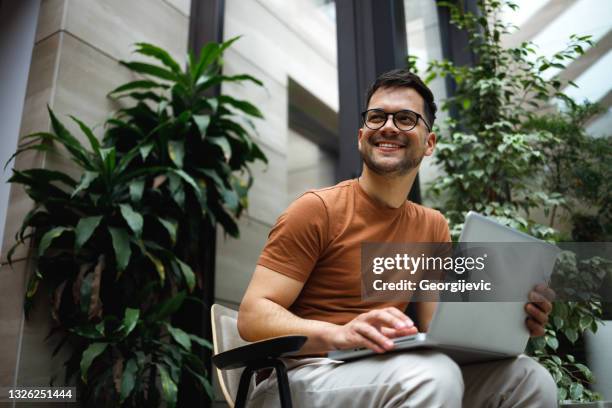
[471, 332]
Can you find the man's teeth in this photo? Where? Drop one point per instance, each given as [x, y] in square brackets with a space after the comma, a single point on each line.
[387, 145]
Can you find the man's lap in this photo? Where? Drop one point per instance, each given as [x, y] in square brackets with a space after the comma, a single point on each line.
[424, 378]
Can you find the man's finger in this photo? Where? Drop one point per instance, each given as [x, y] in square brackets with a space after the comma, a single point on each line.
[535, 329]
[536, 314]
[386, 318]
[373, 335]
[546, 291]
[540, 301]
[400, 315]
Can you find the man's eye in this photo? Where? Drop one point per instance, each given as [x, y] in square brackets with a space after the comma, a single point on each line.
[376, 118]
[405, 118]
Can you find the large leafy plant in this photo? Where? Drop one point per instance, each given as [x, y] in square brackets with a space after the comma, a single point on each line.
[116, 248]
[496, 161]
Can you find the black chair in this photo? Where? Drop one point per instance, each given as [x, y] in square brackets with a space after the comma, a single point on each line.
[237, 360]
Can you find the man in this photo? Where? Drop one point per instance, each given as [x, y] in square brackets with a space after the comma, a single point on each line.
[307, 281]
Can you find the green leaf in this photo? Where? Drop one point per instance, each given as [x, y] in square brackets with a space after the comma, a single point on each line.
[167, 307]
[136, 190]
[93, 140]
[180, 337]
[89, 355]
[169, 388]
[130, 319]
[222, 142]
[85, 228]
[244, 106]
[133, 218]
[121, 245]
[48, 238]
[202, 122]
[552, 342]
[159, 54]
[86, 180]
[159, 266]
[171, 226]
[128, 380]
[152, 70]
[576, 390]
[145, 150]
[187, 273]
[141, 84]
[202, 342]
[176, 151]
[109, 157]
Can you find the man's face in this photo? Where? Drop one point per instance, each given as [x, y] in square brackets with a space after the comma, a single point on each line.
[388, 150]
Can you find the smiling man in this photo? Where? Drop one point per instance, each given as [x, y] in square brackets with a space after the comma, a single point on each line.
[308, 281]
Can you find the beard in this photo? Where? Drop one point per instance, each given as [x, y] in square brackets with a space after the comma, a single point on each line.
[412, 157]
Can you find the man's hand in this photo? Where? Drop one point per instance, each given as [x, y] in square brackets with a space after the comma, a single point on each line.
[538, 309]
[373, 330]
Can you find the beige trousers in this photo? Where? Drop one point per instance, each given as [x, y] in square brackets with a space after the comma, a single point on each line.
[424, 379]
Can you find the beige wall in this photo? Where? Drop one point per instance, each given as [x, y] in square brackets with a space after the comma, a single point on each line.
[74, 64]
[280, 40]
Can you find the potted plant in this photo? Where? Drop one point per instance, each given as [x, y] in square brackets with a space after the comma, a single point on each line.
[115, 247]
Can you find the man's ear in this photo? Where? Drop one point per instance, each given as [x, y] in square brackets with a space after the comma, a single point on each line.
[359, 136]
[430, 142]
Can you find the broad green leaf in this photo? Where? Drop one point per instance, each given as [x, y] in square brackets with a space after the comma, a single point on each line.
[141, 84]
[180, 337]
[133, 218]
[78, 153]
[202, 342]
[244, 106]
[130, 319]
[576, 390]
[204, 382]
[93, 140]
[187, 273]
[223, 144]
[89, 331]
[89, 355]
[128, 380]
[176, 151]
[167, 307]
[149, 69]
[552, 342]
[109, 157]
[159, 266]
[136, 190]
[169, 388]
[86, 180]
[145, 150]
[85, 228]
[121, 245]
[171, 226]
[48, 238]
[202, 122]
[160, 54]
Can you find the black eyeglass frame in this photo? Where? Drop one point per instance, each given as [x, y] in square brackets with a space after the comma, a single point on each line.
[418, 115]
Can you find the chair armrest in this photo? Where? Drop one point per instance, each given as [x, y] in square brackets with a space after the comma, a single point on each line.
[260, 350]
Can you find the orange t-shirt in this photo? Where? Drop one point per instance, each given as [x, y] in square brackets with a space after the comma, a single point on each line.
[317, 240]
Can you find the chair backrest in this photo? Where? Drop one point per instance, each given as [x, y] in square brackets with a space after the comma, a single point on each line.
[226, 337]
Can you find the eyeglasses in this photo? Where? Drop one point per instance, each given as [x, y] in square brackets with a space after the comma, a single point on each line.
[403, 120]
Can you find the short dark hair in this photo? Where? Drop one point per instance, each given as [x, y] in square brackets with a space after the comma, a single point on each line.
[403, 78]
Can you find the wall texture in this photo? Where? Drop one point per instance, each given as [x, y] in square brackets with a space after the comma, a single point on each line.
[74, 64]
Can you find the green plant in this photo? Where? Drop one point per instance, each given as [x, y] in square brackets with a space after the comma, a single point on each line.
[578, 168]
[495, 160]
[115, 248]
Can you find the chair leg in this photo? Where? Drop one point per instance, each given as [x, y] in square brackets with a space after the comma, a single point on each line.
[284, 392]
[243, 387]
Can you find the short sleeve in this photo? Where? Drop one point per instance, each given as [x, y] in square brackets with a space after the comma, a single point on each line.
[443, 232]
[297, 239]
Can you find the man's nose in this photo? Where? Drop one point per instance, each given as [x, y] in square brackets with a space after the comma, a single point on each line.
[389, 125]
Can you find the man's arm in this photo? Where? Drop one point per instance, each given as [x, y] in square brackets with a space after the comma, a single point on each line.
[264, 313]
